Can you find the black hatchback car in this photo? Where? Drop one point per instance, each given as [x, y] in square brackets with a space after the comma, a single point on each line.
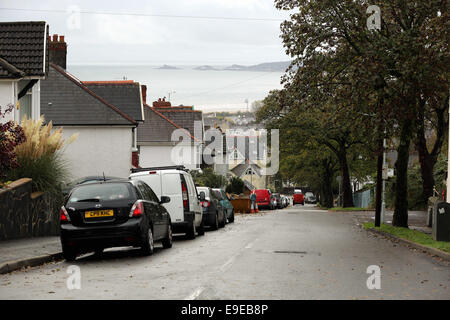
[113, 213]
[214, 214]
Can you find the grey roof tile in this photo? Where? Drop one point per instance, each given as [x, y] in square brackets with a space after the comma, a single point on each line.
[24, 45]
[125, 95]
[157, 127]
[66, 101]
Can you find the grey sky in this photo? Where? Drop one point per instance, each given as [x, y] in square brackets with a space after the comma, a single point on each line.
[122, 39]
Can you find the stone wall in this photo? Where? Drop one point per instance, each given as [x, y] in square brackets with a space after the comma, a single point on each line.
[26, 214]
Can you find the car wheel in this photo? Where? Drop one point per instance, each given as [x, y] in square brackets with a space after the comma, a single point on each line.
[215, 225]
[192, 231]
[167, 242]
[231, 220]
[222, 223]
[148, 244]
[201, 229]
[69, 254]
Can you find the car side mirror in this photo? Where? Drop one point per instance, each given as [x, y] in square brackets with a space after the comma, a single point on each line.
[164, 199]
[201, 196]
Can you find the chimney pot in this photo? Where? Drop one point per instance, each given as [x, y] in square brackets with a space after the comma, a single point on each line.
[61, 38]
[55, 37]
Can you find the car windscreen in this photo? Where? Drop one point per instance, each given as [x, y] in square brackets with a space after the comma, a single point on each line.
[204, 190]
[218, 194]
[100, 192]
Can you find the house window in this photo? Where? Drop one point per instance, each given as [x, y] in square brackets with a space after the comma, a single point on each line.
[250, 172]
[25, 107]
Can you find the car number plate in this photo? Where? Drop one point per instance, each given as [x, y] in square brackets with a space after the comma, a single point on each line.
[98, 213]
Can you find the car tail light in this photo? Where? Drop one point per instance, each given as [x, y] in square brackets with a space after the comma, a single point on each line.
[205, 204]
[185, 197]
[152, 172]
[64, 215]
[137, 209]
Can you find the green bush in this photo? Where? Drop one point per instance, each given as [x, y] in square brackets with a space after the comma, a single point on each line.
[236, 185]
[47, 172]
[208, 178]
[39, 157]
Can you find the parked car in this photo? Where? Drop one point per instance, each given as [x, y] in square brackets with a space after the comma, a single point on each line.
[214, 214]
[310, 197]
[84, 180]
[277, 200]
[222, 195]
[284, 201]
[264, 198]
[298, 197]
[113, 213]
[176, 182]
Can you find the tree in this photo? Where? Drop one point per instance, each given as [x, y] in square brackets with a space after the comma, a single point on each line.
[208, 178]
[395, 73]
[236, 185]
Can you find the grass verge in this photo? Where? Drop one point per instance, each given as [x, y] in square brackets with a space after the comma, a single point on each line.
[411, 235]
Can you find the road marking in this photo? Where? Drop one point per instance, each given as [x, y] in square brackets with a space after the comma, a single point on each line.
[250, 245]
[194, 295]
[233, 258]
[229, 262]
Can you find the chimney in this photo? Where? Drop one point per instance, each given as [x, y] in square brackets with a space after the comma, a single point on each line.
[57, 50]
[144, 93]
[161, 103]
[135, 159]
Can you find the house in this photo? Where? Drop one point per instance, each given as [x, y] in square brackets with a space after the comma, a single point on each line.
[247, 157]
[170, 135]
[104, 114]
[23, 65]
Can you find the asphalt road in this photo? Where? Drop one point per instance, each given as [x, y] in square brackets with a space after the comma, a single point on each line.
[294, 253]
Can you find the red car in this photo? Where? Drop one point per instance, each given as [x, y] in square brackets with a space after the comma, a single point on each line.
[298, 197]
[264, 198]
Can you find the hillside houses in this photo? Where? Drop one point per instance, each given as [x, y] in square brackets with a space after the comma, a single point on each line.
[117, 129]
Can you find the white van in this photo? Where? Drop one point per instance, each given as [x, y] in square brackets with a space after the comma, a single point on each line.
[184, 207]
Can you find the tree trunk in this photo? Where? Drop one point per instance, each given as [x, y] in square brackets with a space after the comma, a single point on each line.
[426, 169]
[345, 178]
[401, 185]
[327, 189]
[379, 184]
[428, 159]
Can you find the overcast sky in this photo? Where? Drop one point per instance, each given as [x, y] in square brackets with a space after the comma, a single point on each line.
[133, 39]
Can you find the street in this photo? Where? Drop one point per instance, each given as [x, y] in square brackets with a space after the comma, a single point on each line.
[296, 253]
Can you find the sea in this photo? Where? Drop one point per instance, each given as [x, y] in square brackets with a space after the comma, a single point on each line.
[206, 90]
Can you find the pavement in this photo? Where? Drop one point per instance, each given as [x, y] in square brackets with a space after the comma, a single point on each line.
[295, 253]
[16, 254]
[416, 219]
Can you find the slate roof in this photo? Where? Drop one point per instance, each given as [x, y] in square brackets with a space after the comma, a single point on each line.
[66, 101]
[157, 127]
[125, 95]
[240, 169]
[23, 49]
[183, 116]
